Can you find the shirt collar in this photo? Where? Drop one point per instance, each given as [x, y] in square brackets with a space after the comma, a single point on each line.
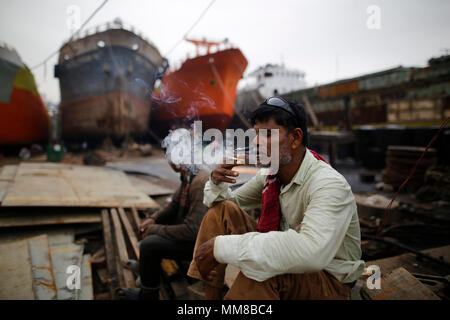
[302, 172]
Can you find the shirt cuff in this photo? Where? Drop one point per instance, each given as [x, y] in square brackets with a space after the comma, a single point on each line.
[226, 249]
[217, 187]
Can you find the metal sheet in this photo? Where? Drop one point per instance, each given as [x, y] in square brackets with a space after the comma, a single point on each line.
[16, 280]
[67, 186]
[64, 256]
[60, 234]
[7, 174]
[86, 290]
[157, 168]
[42, 269]
[39, 219]
[148, 187]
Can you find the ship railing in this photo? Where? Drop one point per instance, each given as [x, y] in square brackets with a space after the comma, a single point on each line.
[116, 24]
[6, 46]
[193, 54]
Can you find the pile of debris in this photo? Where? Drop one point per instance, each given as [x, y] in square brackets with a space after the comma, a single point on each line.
[51, 242]
[400, 160]
[45, 267]
[423, 275]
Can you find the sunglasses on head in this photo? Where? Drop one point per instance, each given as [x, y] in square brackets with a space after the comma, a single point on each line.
[280, 103]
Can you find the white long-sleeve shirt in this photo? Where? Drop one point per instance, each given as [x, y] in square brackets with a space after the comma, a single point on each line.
[318, 198]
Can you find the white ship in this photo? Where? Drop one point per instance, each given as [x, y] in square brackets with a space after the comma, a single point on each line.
[266, 81]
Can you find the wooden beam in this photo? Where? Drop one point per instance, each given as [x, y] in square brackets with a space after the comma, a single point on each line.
[129, 230]
[109, 250]
[122, 249]
[136, 220]
[310, 111]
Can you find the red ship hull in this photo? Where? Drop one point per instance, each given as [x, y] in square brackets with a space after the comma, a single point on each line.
[204, 88]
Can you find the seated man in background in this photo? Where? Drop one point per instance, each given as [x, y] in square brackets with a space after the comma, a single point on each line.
[170, 233]
[306, 244]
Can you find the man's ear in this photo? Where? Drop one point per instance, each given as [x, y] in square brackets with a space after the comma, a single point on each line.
[297, 133]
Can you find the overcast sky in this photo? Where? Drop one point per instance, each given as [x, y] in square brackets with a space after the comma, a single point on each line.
[328, 40]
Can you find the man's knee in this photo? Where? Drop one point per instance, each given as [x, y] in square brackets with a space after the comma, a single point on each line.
[222, 208]
[151, 245]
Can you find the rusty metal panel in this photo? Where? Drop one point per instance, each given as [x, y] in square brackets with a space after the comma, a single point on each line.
[39, 218]
[61, 185]
[401, 285]
[147, 187]
[86, 289]
[16, 280]
[338, 89]
[435, 90]
[42, 269]
[7, 174]
[157, 168]
[386, 79]
[64, 256]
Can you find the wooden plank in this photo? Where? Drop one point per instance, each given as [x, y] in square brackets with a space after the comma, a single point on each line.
[109, 249]
[130, 217]
[122, 249]
[32, 218]
[401, 285]
[129, 231]
[120, 240]
[136, 219]
[45, 184]
[16, 281]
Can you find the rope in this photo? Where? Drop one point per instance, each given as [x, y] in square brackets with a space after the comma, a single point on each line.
[388, 208]
[190, 29]
[76, 32]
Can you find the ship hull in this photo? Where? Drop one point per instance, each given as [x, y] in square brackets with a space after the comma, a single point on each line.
[112, 114]
[23, 116]
[204, 89]
[106, 92]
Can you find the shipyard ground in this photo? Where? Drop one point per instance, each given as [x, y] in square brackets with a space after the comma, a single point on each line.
[412, 250]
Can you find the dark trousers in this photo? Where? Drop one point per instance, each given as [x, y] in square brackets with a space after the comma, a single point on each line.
[153, 249]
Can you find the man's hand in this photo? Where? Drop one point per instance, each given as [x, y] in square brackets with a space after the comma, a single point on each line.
[145, 224]
[221, 173]
[205, 260]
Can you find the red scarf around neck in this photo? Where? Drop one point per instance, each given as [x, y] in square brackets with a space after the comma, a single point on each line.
[269, 219]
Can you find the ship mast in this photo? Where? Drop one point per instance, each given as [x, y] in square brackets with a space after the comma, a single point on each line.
[205, 44]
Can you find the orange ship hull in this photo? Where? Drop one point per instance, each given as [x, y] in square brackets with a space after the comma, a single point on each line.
[23, 116]
[23, 120]
[204, 88]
